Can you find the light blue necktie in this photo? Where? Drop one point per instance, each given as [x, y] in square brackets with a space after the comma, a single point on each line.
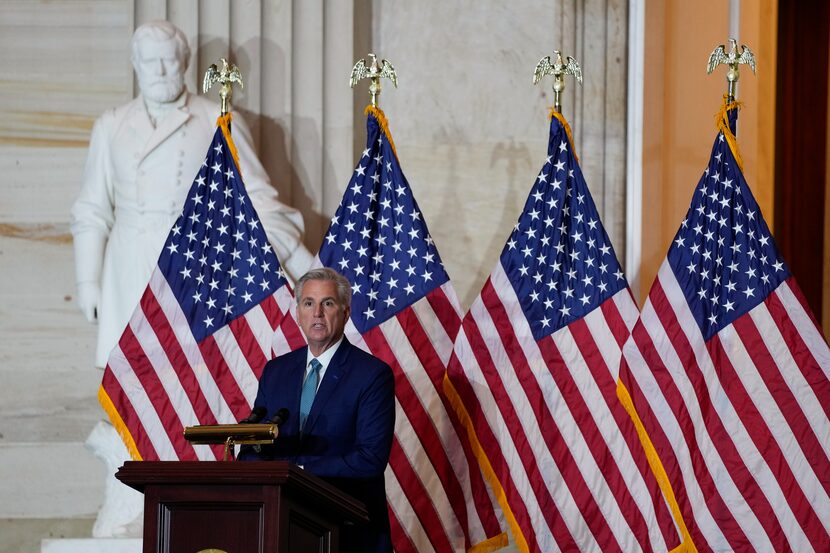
[309, 391]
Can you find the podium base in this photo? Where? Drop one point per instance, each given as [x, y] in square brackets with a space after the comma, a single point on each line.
[92, 545]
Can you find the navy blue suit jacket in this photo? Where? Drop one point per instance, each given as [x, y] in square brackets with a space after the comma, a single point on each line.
[348, 434]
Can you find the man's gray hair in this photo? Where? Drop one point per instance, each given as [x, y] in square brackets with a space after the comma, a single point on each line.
[161, 30]
[344, 287]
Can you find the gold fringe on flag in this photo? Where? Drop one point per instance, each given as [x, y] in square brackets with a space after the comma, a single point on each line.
[118, 423]
[384, 124]
[487, 470]
[553, 113]
[224, 122]
[686, 545]
[722, 123]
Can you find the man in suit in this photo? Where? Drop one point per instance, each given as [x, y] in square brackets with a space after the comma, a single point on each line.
[143, 157]
[341, 403]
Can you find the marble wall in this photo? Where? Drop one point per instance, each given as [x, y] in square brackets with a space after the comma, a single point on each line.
[470, 128]
[62, 64]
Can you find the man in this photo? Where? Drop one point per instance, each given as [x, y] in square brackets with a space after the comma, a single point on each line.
[143, 157]
[341, 403]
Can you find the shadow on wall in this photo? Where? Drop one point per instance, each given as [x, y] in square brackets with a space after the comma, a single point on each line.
[275, 131]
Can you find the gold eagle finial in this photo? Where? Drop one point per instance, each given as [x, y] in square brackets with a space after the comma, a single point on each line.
[374, 71]
[225, 76]
[733, 59]
[558, 69]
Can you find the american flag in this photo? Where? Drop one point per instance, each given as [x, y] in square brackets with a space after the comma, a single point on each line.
[729, 373]
[535, 376]
[214, 312]
[405, 311]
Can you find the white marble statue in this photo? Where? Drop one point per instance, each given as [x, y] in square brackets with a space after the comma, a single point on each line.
[143, 157]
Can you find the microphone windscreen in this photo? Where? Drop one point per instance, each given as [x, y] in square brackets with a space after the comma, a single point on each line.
[280, 417]
[257, 414]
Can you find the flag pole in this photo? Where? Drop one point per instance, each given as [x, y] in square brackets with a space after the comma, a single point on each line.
[558, 69]
[374, 71]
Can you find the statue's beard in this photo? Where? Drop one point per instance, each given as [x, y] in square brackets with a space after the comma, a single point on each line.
[163, 89]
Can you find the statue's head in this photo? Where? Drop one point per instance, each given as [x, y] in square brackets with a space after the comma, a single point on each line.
[160, 57]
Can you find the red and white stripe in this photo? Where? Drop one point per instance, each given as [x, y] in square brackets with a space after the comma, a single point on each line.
[741, 422]
[160, 379]
[430, 485]
[561, 446]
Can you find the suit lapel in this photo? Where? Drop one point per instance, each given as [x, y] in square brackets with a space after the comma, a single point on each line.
[334, 375]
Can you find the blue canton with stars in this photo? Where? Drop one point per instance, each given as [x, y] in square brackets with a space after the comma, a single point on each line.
[378, 238]
[723, 256]
[217, 259]
[558, 258]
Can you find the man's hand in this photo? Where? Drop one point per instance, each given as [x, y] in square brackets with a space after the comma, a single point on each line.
[89, 295]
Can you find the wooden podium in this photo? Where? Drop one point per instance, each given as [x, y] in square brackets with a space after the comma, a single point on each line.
[238, 507]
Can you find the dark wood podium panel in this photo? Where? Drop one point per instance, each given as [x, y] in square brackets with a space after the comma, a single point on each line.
[238, 507]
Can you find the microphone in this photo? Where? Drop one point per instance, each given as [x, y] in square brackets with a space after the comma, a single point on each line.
[280, 416]
[257, 414]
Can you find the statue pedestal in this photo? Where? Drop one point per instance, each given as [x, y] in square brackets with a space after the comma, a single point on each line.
[92, 545]
[118, 527]
[121, 515]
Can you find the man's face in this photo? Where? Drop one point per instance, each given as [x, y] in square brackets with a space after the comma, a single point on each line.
[160, 70]
[321, 315]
